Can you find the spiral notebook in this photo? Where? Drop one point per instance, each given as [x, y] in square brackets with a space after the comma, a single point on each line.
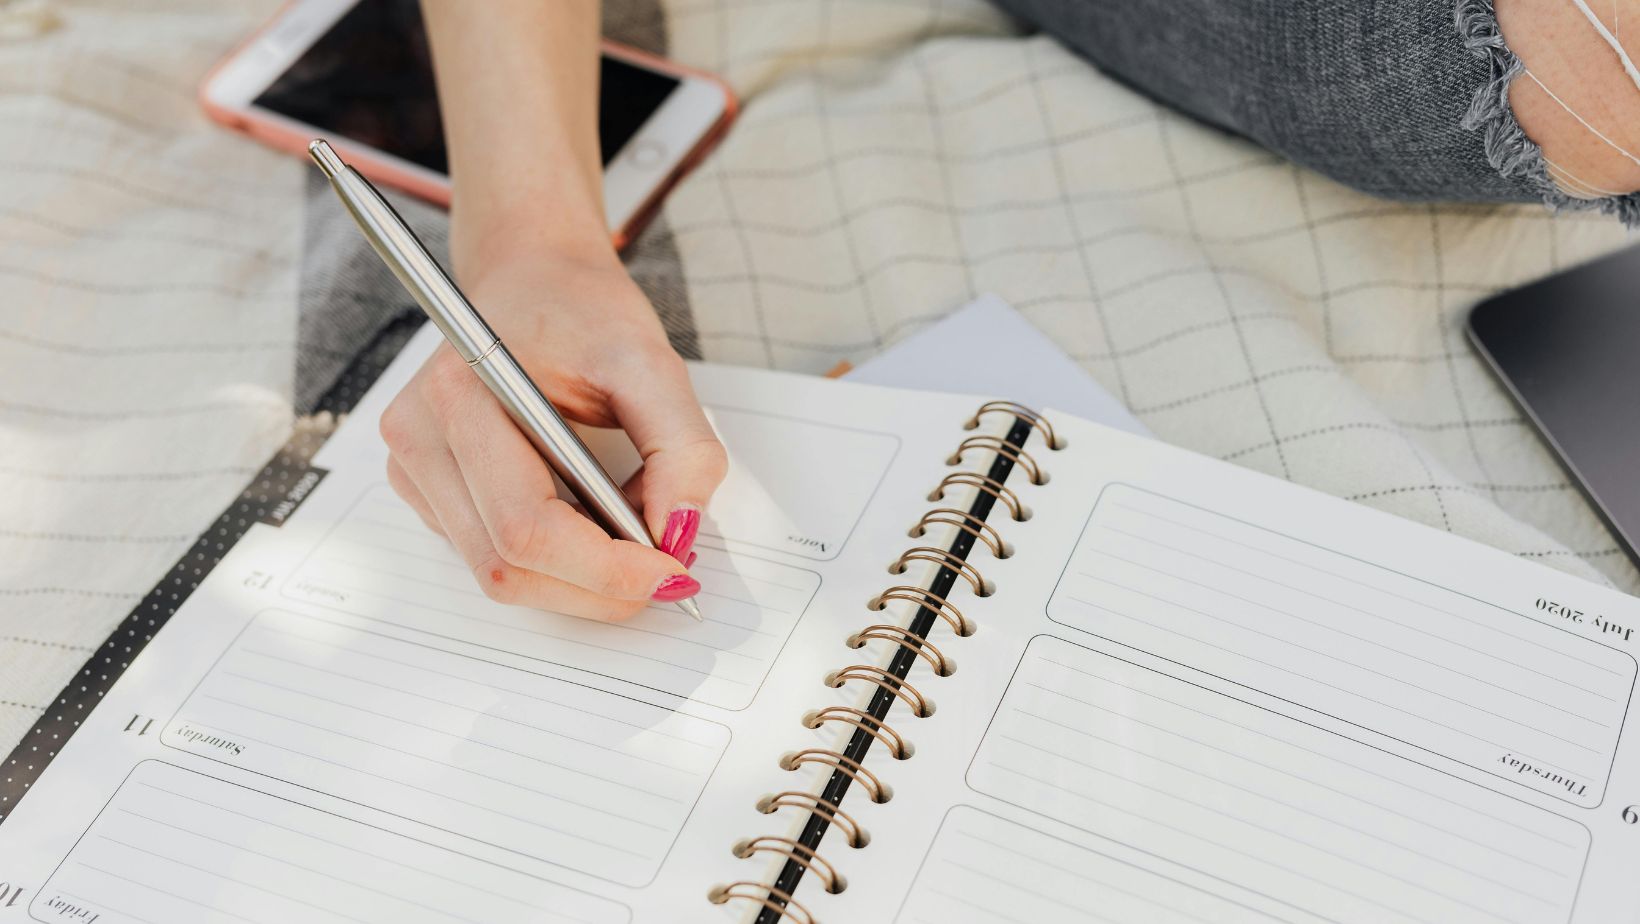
[964, 660]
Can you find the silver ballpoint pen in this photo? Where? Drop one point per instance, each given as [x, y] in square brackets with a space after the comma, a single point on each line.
[482, 349]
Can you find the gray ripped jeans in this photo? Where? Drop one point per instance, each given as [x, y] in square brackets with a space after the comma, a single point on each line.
[1406, 99]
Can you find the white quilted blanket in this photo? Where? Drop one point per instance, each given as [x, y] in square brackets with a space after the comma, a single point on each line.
[894, 158]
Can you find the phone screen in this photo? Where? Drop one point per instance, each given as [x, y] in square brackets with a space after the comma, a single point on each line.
[370, 79]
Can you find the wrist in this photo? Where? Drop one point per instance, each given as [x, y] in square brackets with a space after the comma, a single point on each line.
[530, 231]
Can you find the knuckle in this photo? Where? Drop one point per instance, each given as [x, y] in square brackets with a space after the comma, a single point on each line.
[714, 459]
[639, 355]
[706, 458]
[612, 583]
[396, 428]
[657, 352]
[517, 536]
[448, 384]
[446, 370]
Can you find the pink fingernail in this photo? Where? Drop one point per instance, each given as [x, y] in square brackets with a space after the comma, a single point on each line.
[675, 588]
[690, 561]
[678, 537]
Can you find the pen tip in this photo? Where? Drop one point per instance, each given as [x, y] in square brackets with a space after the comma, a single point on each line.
[325, 157]
[692, 608]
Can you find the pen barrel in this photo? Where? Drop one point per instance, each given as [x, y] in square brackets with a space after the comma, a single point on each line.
[409, 261]
[561, 446]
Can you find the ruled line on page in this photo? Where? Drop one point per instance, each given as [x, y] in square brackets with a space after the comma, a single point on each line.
[380, 562]
[1489, 688]
[1425, 604]
[178, 845]
[1270, 665]
[283, 861]
[436, 793]
[1170, 768]
[225, 877]
[465, 585]
[1334, 630]
[1292, 870]
[1337, 658]
[1385, 618]
[149, 887]
[706, 670]
[1244, 729]
[474, 712]
[469, 739]
[1060, 728]
[980, 863]
[451, 675]
[563, 773]
[345, 585]
[332, 842]
[466, 588]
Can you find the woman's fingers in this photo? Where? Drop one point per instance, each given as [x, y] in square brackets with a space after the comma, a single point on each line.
[530, 527]
[467, 471]
[437, 478]
[683, 460]
[407, 491]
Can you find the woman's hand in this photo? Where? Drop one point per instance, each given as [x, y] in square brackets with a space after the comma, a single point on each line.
[518, 88]
[585, 333]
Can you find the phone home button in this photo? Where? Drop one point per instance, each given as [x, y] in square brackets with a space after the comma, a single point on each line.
[646, 153]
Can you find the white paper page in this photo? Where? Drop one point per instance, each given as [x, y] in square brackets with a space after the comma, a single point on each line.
[1202, 694]
[987, 348]
[338, 726]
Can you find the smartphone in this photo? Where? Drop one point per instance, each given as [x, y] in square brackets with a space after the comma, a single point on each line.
[1568, 349]
[359, 74]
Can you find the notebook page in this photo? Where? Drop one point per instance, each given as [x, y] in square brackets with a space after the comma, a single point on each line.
[337, 725]
[987, 348]
[1202, 694]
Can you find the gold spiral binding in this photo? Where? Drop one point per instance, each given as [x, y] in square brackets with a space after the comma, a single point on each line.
[922, 596]
[987, 484]
[863, 720]
[921, 706]
[880, 791]
[801, 854]
[1021, 412]
[909, 640]
[771, 897]
[784, 908]
[1002, 448]
[968, 523]
[944, 558]
[858, 836]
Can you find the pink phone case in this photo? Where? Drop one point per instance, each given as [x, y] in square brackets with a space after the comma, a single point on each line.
[382, 170]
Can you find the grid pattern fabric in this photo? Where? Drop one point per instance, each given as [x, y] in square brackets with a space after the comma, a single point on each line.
[148, 277]
[897, 157]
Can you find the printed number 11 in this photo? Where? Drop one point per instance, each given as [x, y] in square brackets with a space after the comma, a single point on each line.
[140, 723]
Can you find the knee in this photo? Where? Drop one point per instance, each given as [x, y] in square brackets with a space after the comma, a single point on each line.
[1575, 99]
